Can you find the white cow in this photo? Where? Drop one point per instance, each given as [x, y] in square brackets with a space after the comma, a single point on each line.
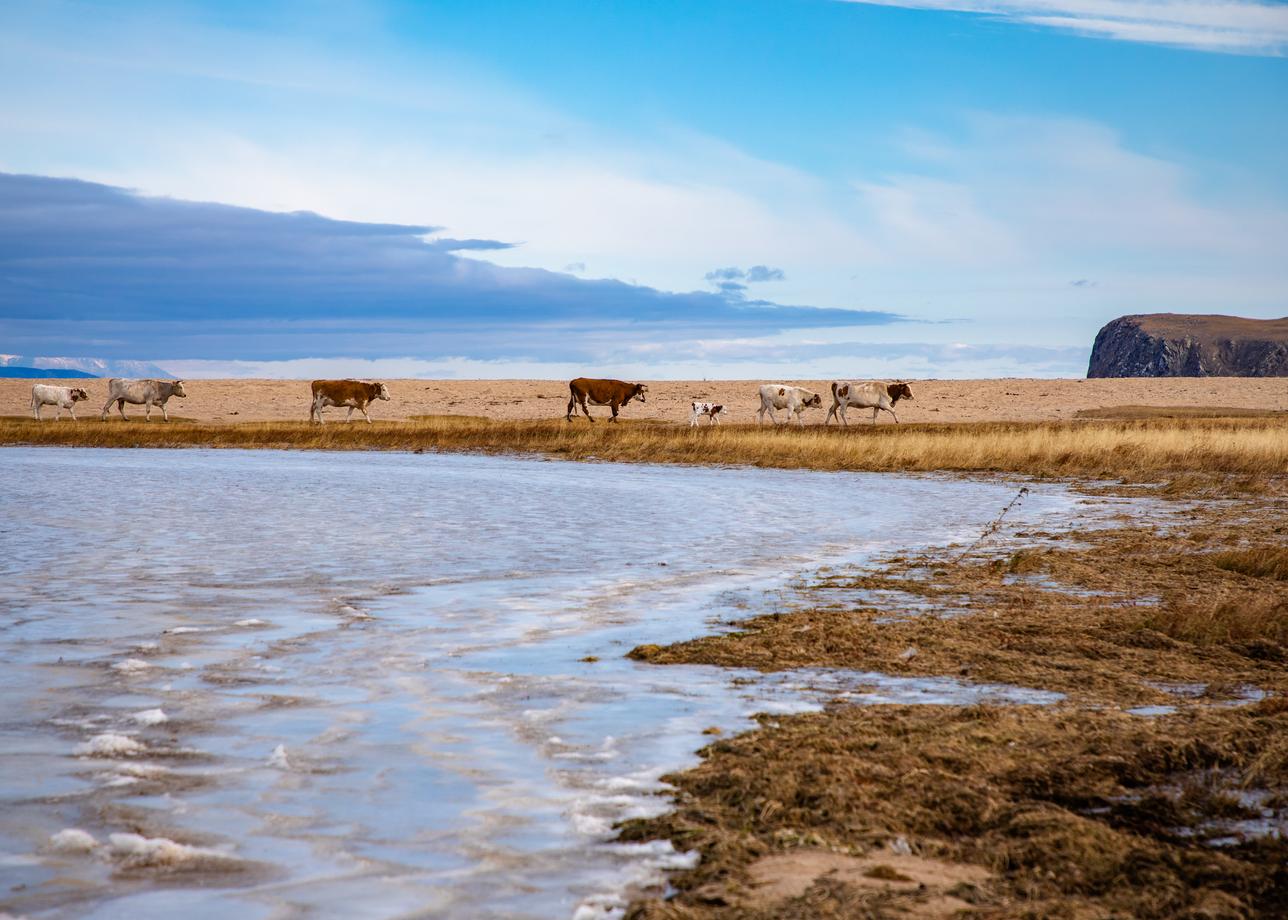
[874, 395]
[781, 396]
[43, 394]
[142, 393]
[712, 411]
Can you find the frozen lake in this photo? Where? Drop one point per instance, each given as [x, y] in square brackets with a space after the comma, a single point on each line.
[355, 684]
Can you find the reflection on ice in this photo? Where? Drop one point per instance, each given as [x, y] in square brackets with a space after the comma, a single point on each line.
[398, 681]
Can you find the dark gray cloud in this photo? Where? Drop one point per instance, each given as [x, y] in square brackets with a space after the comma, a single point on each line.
[93, 269]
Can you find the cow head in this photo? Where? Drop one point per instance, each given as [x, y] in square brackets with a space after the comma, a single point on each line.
[78, 394]
[814, 400]
[176, 389]
[899, 391]
[382, 391]
[716, 410]
[637, 392]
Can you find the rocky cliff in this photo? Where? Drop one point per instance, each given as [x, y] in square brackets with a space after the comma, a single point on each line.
[1180, 345]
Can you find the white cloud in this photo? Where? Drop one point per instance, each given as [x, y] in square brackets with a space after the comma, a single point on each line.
[1234, 26]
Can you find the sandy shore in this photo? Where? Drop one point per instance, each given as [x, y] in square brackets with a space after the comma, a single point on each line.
[1009, 399]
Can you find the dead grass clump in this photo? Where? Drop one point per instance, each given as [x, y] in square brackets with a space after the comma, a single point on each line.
[1226, 622]
[1258, 562]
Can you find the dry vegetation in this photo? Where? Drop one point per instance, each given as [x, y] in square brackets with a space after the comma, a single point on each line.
[1126, 448]
[1082, 809]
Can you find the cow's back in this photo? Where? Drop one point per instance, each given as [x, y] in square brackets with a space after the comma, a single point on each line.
[342, 392]
[600, 390]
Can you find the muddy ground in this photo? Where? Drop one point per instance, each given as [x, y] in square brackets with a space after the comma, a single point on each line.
[1157, 788]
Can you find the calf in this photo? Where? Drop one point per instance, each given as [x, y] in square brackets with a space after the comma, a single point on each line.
[710, 410]
[873, 395]
[781, 396]
[355, 394]
[147, 393]
[43, 394]
[611, 393]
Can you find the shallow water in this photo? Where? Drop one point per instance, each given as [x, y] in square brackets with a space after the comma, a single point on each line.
[372, 674]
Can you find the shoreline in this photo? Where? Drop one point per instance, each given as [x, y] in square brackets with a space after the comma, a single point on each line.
[1148, 791]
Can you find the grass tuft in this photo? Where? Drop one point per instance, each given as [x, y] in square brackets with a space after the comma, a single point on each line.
[1259, 562]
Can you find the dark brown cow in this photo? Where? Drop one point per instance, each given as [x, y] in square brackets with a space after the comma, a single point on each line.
[611, 393]
[356, 394]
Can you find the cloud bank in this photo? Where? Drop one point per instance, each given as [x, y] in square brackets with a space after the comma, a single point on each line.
[87, 268]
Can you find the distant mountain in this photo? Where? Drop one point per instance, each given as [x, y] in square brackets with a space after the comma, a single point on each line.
[43, 373]
[1184, 345]
[89, 367]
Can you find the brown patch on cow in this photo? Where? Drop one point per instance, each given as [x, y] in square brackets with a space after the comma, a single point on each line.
[898, 391]
[782, 391]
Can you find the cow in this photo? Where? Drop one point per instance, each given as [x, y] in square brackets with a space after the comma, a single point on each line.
[611, 393]
[710, 410]
[43, 394]
[874, 395]
[147, 393]
[356, 394]
[781, 396]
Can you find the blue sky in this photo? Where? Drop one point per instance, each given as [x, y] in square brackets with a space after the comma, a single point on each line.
[921, 188]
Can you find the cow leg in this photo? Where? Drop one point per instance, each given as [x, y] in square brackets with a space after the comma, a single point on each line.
[715, 419]
[840, 414]
[106, 409]
[364, 415]
[35, 410]
[613, 406]
[164, 414]
[875, 410]
[349, 417]
[71, 410]
[586, 409]
[120, 407]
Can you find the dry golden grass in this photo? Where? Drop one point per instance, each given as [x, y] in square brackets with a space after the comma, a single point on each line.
[1257, 562]
[1222, 623]
[1139, 412]
[1249, 446]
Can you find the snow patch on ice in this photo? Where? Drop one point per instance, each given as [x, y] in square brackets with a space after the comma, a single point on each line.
[72, 840]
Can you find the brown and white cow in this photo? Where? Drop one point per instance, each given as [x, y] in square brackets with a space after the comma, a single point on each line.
[712, 411]
[355, 394]
[782, 396]
[611, 393]
[44, 394]
[875, 395]
[147, 393]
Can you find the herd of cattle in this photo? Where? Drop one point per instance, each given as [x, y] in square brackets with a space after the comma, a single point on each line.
[584, 392]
